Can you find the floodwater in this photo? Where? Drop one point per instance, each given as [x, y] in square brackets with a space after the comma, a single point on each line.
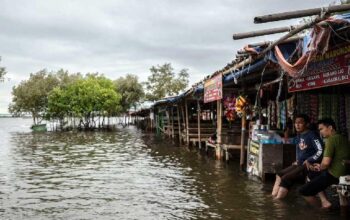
[127, 174]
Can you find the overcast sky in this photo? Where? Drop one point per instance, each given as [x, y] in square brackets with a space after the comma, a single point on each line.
[116, 37]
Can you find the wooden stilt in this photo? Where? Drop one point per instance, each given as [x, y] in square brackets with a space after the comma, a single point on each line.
[219, 129]
[178, 122]
[183, 118]
[172, 122]
[168, 124]
[187, 132]
[244, 123]
[199, 123]
[151, 119]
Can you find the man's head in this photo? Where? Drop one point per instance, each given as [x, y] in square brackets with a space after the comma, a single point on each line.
[326, 127]
[301, 123]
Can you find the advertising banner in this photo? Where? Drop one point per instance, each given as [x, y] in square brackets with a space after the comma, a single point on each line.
[329, 69]
[213, 89]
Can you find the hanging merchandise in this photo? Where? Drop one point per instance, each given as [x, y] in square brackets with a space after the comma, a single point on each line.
[269, 113]
[290, 106]
[347, 113]
[283, 115]
[342, 115]
[273, 114]
[278, 115]
[327, 106]
[306, 104]
[321, 106]
[230, 108]
[303, 106]
[335, 108]
[242, 105]
[313, 108]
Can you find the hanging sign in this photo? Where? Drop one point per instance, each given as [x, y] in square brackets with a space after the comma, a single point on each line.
[213, 89]
[329, 69]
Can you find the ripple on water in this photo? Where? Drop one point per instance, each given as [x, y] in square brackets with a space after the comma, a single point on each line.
[125, 175]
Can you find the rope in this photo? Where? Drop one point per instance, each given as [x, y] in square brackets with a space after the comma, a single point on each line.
[280, 86]
[347, 40]
[261, 80]
[324, 11]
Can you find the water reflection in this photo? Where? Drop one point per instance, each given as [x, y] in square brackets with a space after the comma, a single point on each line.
[127, 175]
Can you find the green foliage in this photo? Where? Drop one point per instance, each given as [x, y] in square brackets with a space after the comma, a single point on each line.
[61, 95]
[2, 72]
[131, 91]
[65, 78]
[164, 82]
[91, 96]
[30, 96]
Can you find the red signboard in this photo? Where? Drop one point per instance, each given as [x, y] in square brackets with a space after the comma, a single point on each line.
[213, 89]
[329, 69]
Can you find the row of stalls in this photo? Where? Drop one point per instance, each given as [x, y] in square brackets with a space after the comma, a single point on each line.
[247, 108]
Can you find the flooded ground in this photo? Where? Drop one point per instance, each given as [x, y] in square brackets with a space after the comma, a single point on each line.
[127, 174]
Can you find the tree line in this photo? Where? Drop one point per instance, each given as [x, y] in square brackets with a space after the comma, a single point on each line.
[90, 99]
[2, 72]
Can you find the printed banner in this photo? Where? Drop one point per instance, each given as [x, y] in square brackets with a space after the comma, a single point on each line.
[213, 89]
[329, 69]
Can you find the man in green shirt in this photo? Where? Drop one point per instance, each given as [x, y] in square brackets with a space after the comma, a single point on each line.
[337, 149]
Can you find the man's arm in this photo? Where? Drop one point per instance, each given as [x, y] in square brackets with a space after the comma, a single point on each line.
[316, 143]
[326, 162]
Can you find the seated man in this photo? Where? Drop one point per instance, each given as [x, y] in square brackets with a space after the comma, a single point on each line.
[309, 150]
[337, 150]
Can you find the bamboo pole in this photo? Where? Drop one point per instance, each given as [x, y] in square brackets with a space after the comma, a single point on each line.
[178, 122]
[244, 125]
[187, 131]
[157, 124]
[300, 13]
[151, 120]
[271, 82]
[262, 32]
[239, 36]
[199, 123]
[266, 43]
[183, 117]
[168, 124]
[219, 128]
[249, 60]
[219, 121]
[172, 122]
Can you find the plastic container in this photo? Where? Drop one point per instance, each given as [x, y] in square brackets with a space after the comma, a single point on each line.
[269, 137]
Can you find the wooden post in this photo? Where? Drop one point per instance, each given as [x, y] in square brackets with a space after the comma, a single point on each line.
[183, 117]
[187, 126]
[244, 125]
[157, 122]
[151, 120]
[219, 121]
[172, 122]
[167, 112]
[218, 129]
[178, 122]
[199, 123]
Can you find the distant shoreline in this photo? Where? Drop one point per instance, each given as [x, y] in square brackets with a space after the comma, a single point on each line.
[10, 116]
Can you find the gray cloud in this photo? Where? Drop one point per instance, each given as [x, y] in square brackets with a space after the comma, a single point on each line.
[119, 37]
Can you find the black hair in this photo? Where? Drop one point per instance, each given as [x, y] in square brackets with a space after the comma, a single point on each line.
[327, 122]
[303, 116]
